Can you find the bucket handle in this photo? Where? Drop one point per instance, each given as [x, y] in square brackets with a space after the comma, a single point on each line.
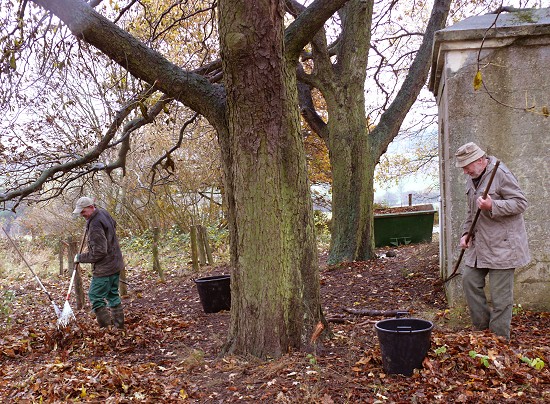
[404, 328]
[401, 313]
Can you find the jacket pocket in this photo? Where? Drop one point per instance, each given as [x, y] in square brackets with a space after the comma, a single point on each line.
[500, 247]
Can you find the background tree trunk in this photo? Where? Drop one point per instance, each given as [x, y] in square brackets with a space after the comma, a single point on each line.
[352, 235]
[346, 133]
[355, 149]
[275, 284]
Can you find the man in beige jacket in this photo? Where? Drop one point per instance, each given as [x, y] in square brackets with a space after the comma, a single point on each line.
[499, 242]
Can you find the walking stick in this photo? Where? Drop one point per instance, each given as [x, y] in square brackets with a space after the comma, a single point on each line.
[471, 230]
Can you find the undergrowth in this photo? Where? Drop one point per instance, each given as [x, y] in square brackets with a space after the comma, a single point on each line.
[174, 248]
[42, 253]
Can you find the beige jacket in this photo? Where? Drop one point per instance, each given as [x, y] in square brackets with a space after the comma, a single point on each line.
[499, 240]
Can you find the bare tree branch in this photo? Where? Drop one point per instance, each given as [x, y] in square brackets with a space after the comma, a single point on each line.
[391, 120]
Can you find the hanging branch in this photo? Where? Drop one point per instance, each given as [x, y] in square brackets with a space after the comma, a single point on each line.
[166, 157]
[478, 81]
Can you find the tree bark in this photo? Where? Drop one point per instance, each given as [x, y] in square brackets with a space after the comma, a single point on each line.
[275, 283]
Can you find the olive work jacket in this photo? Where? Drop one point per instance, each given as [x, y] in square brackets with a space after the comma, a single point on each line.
[499, 239]
[103, 249]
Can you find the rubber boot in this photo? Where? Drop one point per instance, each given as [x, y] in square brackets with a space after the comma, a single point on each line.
[103, 317]
[118, 316]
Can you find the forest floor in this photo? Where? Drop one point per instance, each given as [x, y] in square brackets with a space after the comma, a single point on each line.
[170, 349]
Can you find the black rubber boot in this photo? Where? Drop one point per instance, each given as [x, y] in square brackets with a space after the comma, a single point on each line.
[103, 317]
[118, 316]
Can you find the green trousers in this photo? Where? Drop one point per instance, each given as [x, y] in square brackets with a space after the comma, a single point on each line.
[498, 317]
[104, 291]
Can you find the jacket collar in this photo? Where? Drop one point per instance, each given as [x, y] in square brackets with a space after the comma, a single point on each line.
[488, 170]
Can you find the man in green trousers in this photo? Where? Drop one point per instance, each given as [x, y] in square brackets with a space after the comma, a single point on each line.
[106, 258]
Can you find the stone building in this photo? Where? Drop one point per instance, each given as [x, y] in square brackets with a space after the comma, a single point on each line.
[508, 116]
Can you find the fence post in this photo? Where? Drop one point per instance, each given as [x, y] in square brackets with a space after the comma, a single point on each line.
[194, 249]
[61, 258]
[122, 285]
[156, 262]
[204, 236]
[200, 244]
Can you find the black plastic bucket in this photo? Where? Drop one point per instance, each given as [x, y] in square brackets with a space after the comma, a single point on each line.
[404, 343]
[214, 293]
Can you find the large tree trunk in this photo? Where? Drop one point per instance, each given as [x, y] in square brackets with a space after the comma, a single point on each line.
[275, 284]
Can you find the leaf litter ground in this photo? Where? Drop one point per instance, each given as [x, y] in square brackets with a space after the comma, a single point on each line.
[170, 349]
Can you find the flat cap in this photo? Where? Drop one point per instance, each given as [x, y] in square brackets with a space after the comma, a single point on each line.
[467, 154]
[82, 203]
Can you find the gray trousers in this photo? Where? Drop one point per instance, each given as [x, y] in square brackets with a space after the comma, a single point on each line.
[501, 284]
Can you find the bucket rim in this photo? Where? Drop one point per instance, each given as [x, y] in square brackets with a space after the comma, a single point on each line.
[212, 278]
[379, 325]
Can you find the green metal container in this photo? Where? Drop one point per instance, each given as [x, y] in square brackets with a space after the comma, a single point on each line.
[393, 229]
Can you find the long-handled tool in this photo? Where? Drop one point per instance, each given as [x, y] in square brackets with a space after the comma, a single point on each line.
[57, 311]
[473, 225]
[67, 314]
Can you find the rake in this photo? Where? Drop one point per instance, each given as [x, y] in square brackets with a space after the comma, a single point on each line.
[57, 311]
[67, 314]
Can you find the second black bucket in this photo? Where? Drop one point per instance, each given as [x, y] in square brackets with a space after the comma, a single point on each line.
[404, 343]
[214, 293]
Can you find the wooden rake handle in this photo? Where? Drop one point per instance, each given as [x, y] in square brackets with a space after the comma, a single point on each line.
[77, 264]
